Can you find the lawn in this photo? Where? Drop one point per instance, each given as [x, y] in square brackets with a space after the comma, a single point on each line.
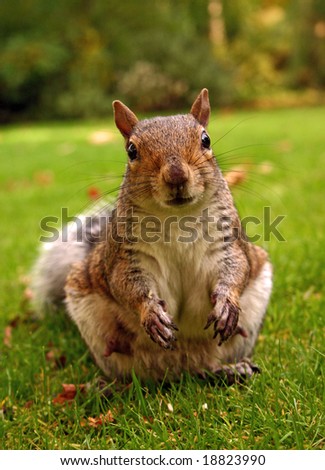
[46, 167]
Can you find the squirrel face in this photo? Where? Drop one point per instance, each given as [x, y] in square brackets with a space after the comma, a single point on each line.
[170, 161]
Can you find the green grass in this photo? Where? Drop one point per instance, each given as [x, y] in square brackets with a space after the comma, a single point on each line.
[44, 167]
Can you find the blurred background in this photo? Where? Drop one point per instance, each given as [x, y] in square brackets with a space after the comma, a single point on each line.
[69, 59]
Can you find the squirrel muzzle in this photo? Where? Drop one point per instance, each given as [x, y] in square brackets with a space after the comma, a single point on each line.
[176, 181]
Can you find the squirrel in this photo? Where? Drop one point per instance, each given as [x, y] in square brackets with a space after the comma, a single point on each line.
[169, 283]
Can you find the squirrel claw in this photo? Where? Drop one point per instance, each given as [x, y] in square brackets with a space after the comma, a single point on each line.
[166, 341]
[211, 319]
[225, 319]
[159, 326]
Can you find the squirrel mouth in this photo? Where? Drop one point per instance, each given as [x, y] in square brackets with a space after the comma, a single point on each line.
[180, 201]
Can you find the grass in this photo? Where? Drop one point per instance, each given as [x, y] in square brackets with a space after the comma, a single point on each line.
[44, 167]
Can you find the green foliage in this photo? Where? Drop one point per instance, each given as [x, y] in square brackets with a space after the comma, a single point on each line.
[68, 59]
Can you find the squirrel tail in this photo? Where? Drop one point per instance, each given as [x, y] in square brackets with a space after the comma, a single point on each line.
[73, 243]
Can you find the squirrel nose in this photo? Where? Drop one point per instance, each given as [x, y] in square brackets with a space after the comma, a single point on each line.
[175, 176]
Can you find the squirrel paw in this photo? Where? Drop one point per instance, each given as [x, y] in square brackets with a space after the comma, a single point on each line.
[159, 326]
[237, 373]
[224, 315]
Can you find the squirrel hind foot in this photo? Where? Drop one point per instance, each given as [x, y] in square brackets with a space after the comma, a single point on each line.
[239, 372]
[118, 345]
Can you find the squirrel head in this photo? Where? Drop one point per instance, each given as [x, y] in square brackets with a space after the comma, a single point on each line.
[170, 160]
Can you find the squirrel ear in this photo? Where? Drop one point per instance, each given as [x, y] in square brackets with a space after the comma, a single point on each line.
[125, 119]
[201, 108]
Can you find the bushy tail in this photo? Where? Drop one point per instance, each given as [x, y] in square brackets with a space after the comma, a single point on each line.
[52, 267]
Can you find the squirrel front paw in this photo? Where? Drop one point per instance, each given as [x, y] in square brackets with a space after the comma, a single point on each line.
[224, 315]
[158, 324]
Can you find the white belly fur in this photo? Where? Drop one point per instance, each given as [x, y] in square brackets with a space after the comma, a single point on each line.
[185, 274]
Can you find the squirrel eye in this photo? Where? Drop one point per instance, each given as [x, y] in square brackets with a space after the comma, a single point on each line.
[205, 139]
[132, 152]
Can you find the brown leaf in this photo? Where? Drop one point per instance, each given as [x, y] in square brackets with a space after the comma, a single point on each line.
[284, 146]
[14, 322]
[28, 294]
[43, 178]
[265, 168]
[28, 404]
[236, 175]
[69, 393]
[7, 336]
[93, 193]
[66, 149]
[148, 419]
[101, 137]
[101, 419]
[25, 279]
[55, 357]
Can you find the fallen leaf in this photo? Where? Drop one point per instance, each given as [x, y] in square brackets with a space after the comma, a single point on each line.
[43, 178]
[93, 193]
[265, 168]
[66, 149]
[311, 294]
[24, 279]
[7, 336]
[101, 419]
[319, 29]
[236, 175]
[28, 404]
[284, 146]
[28, 294]
[101, 137]
[308, 293]
[17, 184]
[14, 322]
[148, 419]
[69, 393]
[55, 357]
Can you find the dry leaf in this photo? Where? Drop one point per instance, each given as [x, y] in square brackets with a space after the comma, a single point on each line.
[15, 321]
[101, 419]
[66, 149]
[28, 294]
[7, 336]
[43, 178]
[24, 279]
[93, 193]
[148, 419]
[265, 168]
[69, 393]
[57, 359]
[311, 294]
[28, 404]
[101, 137]
[284, 146]
[236, 176]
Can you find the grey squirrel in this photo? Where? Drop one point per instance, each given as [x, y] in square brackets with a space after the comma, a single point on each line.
[161, 303]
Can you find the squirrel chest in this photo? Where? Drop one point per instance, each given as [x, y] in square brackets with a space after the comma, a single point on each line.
[183, 263]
